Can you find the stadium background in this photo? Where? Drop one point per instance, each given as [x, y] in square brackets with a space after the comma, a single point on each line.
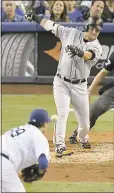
[29, 62]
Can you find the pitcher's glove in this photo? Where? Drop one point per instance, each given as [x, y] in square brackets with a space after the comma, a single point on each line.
[32, 173]
[73, 51]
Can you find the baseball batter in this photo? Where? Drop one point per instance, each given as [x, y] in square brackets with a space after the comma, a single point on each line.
[22, 147]
[80, 51]
[105, 101]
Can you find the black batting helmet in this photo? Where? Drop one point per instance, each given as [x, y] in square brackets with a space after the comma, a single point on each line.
[94, 22]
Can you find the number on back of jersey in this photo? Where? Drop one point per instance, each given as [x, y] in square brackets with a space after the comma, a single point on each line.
[17, 131]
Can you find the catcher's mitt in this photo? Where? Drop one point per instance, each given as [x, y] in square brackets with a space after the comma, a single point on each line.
[32, 173]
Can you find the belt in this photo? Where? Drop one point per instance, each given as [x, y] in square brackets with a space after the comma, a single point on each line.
[4, 155]
[72, 81]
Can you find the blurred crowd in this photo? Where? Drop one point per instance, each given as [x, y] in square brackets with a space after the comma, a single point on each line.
[59, 11]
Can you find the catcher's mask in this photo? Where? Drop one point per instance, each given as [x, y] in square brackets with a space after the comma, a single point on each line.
[94, 22]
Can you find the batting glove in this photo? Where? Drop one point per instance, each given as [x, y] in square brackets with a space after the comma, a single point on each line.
[73, 51]
[29, 16]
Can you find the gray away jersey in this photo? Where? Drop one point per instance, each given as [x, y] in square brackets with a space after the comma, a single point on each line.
[75, 68]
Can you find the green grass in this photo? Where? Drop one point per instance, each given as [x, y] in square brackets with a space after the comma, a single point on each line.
[70, 187]
[16, 109]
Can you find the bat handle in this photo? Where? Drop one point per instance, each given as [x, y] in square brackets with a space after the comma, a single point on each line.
[54, 133]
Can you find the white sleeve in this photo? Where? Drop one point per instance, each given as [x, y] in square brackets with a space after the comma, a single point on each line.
[41, 146]
[62, 32]
[58, 30]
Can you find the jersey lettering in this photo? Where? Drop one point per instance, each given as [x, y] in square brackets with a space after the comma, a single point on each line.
[17, 131]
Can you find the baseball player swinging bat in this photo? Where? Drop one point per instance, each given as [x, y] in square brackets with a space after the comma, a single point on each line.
[80, 52]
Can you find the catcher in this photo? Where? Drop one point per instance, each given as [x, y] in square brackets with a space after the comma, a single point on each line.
[105, 101]
[25, 149]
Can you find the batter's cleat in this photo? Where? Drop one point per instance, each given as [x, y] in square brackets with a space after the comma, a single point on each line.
[73, 140]
[62, 151]
[86, 145]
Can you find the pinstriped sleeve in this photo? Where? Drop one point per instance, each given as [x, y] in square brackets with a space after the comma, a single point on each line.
[62, 32]
[97, 49]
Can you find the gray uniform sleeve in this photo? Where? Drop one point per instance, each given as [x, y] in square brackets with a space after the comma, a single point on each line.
[62, 32]
[97, 49]
[58, 30]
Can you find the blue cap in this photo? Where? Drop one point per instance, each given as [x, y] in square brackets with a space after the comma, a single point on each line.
[39, 116]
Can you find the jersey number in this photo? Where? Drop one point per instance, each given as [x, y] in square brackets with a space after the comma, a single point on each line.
[17, 132]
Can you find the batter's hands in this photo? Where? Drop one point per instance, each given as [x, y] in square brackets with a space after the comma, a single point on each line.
[73, 51]
[29, 16]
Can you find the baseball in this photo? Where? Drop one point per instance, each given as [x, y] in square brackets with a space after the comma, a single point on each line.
[54, 118]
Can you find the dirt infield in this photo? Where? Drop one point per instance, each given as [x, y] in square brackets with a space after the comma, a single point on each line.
[26, 89]
[95, 165]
